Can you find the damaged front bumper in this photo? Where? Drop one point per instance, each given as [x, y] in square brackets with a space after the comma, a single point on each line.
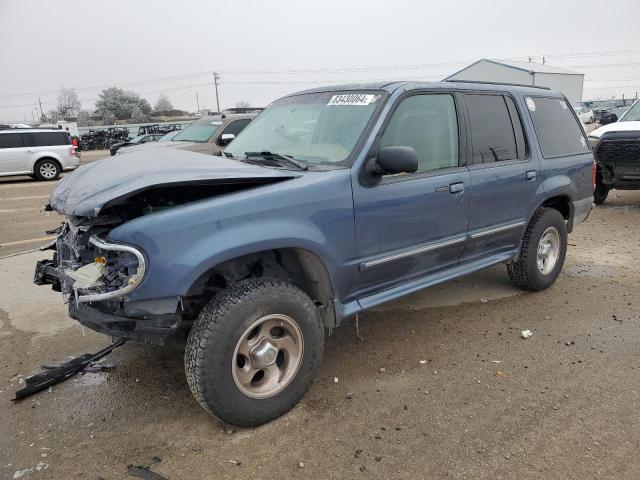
[50, 272]
[95, 276]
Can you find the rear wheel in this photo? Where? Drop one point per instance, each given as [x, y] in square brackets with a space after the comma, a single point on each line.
[544, 248]
[254, 351]
[600, 193]
[46, 169]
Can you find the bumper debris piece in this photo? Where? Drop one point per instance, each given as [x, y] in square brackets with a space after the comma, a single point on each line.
[41, 381]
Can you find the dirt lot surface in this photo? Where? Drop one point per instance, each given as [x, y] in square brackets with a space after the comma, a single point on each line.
[441, 385]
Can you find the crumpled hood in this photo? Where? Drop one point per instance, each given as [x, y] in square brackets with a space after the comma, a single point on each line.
[102, 183]
[155, 145]
[615, 127]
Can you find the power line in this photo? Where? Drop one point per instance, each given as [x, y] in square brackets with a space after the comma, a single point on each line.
[164, 79]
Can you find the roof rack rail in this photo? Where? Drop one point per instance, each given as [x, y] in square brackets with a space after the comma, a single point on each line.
[497, 83]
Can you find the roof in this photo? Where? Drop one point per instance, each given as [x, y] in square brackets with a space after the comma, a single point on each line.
[30, 130]
[529, 67]
[448, 85]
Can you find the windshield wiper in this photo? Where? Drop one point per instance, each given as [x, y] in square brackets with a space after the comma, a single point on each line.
[278, 156]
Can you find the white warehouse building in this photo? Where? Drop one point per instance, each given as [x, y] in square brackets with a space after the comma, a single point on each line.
[524, 73]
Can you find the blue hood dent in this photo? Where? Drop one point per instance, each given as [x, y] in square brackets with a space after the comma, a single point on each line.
[90, 188]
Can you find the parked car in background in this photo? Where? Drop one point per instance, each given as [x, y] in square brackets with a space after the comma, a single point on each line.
[139, 140]
[585, 114]
[40, 153]
[331, 202]
[609, 111]
[159, 128]
[207, 135]
[617, 152]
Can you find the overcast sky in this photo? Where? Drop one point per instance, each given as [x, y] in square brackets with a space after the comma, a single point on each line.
[265, 49]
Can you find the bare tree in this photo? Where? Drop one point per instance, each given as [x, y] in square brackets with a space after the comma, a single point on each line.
[108, 118]
[163, 104]
[242, 104]
[68, 102]
[137, 115]
[84, 117]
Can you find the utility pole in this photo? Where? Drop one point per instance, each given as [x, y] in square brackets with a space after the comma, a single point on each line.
[41, 112]
[216, 79]
[197, 103]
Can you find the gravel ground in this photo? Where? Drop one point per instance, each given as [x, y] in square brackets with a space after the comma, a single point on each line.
[440, 385]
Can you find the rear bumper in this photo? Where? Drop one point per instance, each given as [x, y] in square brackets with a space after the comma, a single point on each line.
[581, 210]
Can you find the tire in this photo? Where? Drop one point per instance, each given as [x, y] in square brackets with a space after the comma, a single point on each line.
[600, 193]
[526, 272]
[213, 362]
[46, 169]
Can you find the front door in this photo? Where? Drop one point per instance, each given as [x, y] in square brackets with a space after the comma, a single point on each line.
[411, 225]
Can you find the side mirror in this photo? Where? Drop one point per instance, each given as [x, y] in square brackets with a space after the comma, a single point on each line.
[395, 159]
[226, 138]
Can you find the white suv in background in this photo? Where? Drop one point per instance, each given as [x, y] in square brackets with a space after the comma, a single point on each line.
[41, 153]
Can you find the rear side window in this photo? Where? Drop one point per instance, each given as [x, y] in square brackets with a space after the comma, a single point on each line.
[47, 139]
[496, 130]
[11, 140]
[558, 131]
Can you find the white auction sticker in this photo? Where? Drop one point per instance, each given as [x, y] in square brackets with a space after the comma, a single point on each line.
[353, 99]
[531, 104]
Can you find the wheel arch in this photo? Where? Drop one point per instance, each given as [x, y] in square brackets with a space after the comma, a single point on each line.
[562, 203]
[46, 156]
[300, 266]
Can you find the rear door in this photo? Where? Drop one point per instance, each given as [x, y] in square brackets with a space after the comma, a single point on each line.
[505, 175]
[45, 143]
[412, 225]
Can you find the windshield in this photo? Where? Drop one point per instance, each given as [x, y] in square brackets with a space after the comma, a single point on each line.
[137, 139]
[200, 131]
[169, 136]
[315, 128]
[633, 114]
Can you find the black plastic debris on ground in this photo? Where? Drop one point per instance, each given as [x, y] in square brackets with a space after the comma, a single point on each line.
[57, 373]
[144, 473]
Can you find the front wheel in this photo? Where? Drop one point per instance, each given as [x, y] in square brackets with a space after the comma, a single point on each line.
[544, 248]
[254, 351]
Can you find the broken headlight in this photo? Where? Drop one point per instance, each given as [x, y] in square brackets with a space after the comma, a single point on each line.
[116, 270]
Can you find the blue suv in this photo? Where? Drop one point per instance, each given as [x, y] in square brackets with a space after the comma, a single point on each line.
[331, 202]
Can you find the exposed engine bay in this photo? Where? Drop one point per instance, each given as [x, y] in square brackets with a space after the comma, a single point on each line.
[85, 267]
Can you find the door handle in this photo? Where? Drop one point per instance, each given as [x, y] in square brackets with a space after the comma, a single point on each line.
[31, 151]
[531, 175]
[456, 187]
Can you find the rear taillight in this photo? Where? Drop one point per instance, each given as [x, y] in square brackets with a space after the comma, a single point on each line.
[73, 152]
[74, 141]
[593, 176]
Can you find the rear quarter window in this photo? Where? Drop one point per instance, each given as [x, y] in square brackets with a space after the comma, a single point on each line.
[558, 131]
[48, 139]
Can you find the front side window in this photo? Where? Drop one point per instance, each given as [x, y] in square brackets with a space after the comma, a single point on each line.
[236, 127]
[559, 133]
[11, 140]
[496, 130]
[429, 125]
[315, 128]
